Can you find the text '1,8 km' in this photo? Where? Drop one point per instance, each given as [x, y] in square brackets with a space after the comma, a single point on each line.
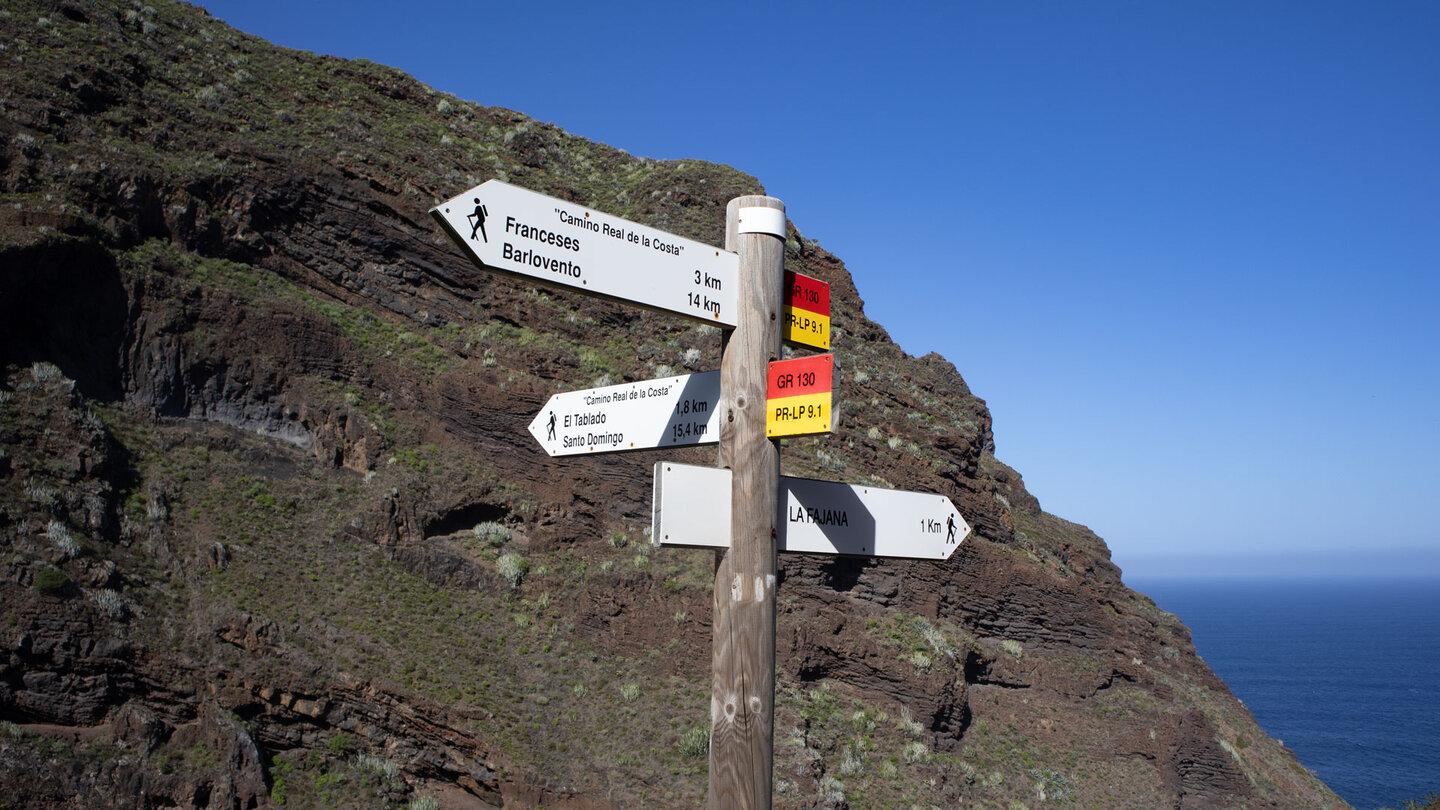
[507, 229]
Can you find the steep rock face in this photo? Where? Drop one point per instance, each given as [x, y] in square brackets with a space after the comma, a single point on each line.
[266, 481]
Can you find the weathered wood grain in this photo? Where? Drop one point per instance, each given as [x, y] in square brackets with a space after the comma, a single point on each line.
[742, 698]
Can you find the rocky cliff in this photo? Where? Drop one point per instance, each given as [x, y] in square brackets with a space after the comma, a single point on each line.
[274, 531]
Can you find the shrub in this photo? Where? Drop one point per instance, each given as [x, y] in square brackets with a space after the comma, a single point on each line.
[45, 496]
[423, 803]
[383, 768]
[1051, 785]
[109, 603]
[695, 742]
[909, 724]
[513, 568]
[862, 722]
[917, 752]
[934, 637]
[62, 540]
[51, 580]
[830, 461]
[1013, 647]
[45, 372]
[630, 691]
[491, 532]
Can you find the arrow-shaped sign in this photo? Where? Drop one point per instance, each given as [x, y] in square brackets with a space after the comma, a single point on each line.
[692, 508]
[668, 412]
[508, 229]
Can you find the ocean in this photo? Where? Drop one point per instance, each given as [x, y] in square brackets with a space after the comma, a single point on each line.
[1345, 671]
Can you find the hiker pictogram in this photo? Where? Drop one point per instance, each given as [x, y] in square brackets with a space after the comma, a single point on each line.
[550, 433]
[950, 529]
[479, 219]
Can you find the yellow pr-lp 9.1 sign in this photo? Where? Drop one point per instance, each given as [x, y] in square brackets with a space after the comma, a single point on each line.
[798, 396]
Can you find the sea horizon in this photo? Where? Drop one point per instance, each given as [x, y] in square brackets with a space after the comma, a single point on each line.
[1410, 560]
[1401, 563]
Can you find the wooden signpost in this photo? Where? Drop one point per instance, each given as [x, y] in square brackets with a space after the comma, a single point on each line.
[743, 507]
[742, 663]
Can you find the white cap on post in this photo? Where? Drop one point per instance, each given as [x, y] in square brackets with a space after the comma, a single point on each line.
[757, 219]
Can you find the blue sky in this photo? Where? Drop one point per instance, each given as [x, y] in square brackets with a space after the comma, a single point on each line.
[1188, 253]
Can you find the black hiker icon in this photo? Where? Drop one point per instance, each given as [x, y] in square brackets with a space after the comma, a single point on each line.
[950, 526]
[550, 435]
[479, 219]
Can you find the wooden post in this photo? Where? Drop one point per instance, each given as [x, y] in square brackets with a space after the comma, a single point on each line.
[742, 692]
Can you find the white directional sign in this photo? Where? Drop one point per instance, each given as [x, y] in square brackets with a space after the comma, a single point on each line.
[692, 508]
[668, 412]
[508, 229]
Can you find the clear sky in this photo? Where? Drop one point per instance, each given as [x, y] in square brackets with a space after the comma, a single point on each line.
[1188, 252]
